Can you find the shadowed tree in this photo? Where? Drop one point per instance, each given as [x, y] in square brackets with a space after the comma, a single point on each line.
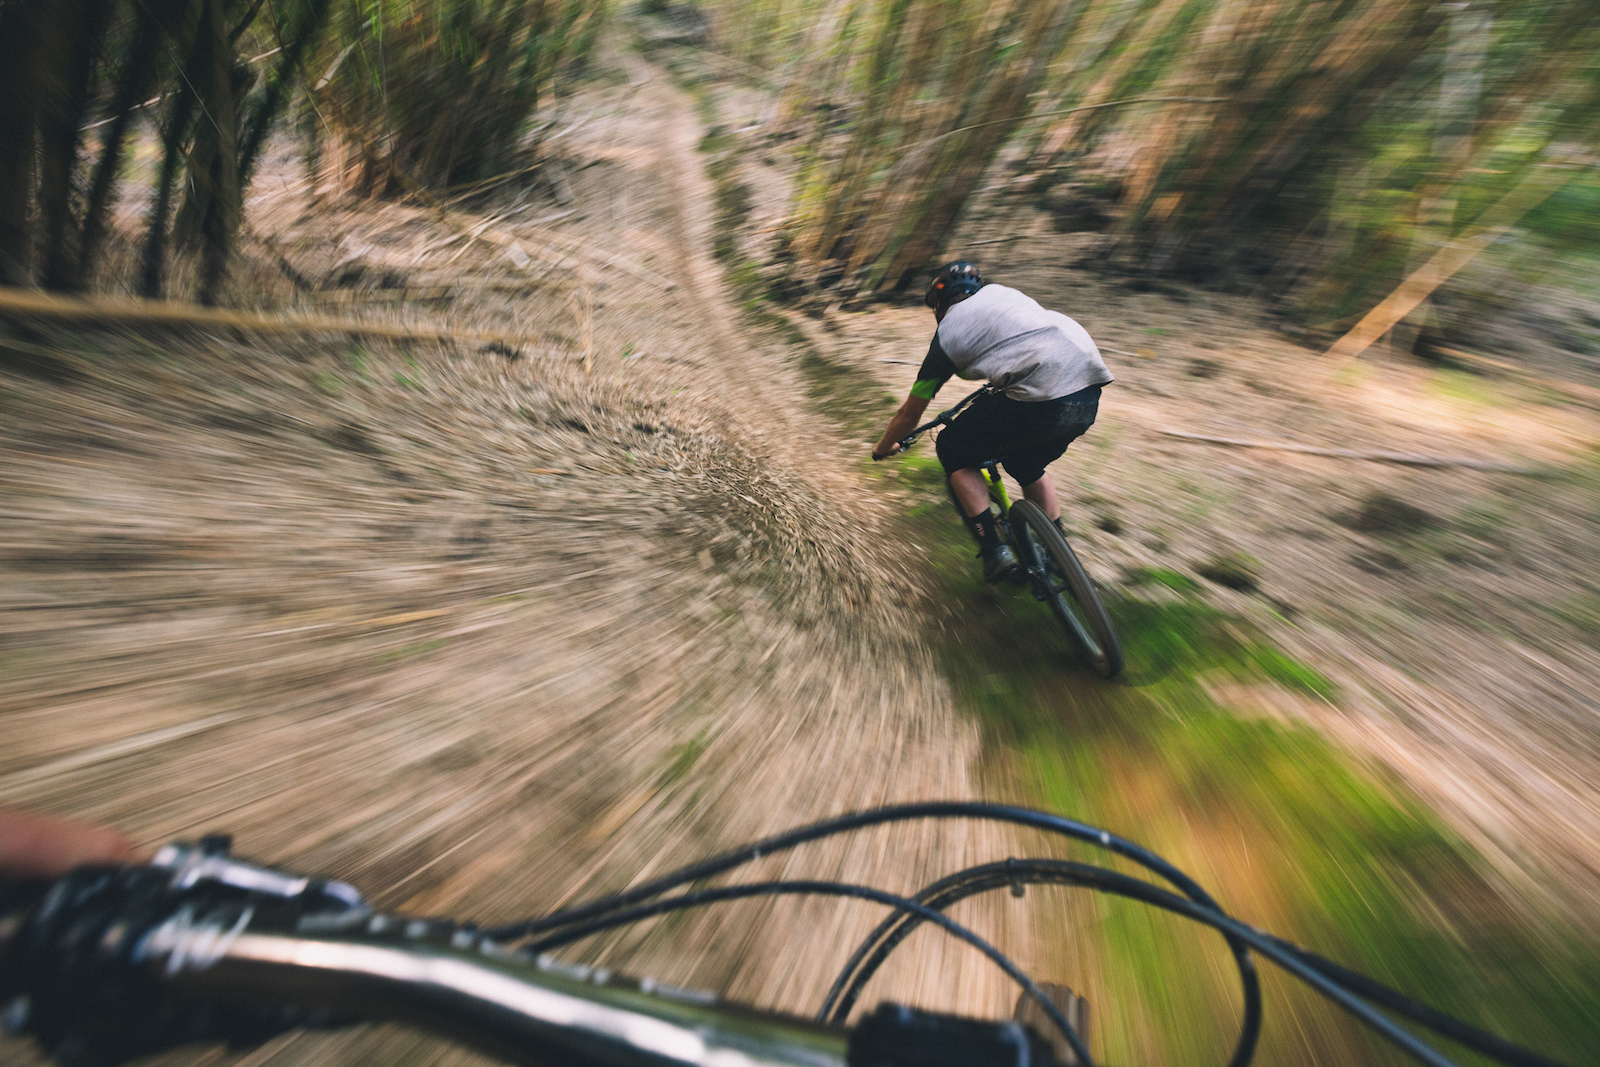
[90, 65]
[19, 22]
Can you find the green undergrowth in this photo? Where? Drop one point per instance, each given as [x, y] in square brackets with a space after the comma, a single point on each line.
[1193, 756]
[1196, 755]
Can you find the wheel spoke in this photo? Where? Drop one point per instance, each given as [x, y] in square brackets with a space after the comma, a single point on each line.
[1062, 583]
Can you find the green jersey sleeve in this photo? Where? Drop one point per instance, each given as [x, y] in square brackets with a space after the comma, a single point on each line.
[936, 370]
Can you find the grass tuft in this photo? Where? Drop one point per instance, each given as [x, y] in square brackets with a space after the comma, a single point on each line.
[1235, 570]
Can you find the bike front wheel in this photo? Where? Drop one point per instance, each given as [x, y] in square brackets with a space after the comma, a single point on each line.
[1062, 583]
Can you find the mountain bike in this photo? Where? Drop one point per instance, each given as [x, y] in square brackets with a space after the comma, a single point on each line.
[1048, 565]
[111, 963]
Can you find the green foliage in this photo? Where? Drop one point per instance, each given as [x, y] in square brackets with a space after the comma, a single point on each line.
[439, 93]
[1316, 151]
[1581, 611]
[1290, 673]
[1171, 579]
[682, 761]
[357, 359]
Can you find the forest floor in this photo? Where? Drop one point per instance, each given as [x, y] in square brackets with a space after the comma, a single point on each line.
[486, 629]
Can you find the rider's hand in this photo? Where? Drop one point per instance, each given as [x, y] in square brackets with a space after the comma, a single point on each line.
[881, 453]
[43, 846]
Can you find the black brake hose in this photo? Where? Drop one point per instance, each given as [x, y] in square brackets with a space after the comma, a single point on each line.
[1339, 984]
[1345, 988]
[1048, 823]
[1063, 872]
[943, 809]
[702, 897]
[1435, 1020]
[939, 896]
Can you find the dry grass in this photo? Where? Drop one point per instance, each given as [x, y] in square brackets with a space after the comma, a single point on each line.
[438, 94]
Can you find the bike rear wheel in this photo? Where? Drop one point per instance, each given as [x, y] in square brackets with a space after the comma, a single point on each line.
[1067, 587]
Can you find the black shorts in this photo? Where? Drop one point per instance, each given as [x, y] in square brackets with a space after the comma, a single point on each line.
[1024, 435]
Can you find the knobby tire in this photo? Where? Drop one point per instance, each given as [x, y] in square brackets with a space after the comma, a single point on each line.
[1072, 594]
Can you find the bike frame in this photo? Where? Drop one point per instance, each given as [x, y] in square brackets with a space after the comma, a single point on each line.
[991, 475]
[997, 488]
[1002, 499]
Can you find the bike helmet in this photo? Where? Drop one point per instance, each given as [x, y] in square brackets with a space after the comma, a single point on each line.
[952, 282]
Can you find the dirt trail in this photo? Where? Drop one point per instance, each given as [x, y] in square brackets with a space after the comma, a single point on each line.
[758, 386]
[1454, 608]
[480, 634]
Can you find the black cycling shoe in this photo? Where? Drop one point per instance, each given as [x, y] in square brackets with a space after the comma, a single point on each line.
[998, 562]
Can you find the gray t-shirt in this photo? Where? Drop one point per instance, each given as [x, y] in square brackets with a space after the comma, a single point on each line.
[1006, 337]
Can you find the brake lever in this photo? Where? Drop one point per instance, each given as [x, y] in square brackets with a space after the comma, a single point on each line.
[210, 863]
[85, 970]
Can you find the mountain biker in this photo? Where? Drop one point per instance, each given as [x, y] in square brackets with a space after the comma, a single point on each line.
[1048, 374]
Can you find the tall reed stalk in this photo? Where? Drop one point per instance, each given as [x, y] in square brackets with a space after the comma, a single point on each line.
[441, 92]
[1260, 139]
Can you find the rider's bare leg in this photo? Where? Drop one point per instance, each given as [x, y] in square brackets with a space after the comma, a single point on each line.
[971, 491]
[1042, 493]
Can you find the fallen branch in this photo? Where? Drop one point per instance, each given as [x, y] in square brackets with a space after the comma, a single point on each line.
[30, 303]
[1404, 458]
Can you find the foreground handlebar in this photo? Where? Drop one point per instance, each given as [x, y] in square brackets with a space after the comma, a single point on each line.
[113, 963]
[519, 1010]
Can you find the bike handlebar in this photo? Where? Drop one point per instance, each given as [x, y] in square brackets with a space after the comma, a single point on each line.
[521, 1010]
[111, 963]
[942, 419]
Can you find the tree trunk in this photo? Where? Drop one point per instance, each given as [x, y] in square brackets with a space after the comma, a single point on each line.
[67, 42]
[18, 133]
[219, 223]
[134, 80]
[1459, 90]
[174, 133]
[311, 16]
